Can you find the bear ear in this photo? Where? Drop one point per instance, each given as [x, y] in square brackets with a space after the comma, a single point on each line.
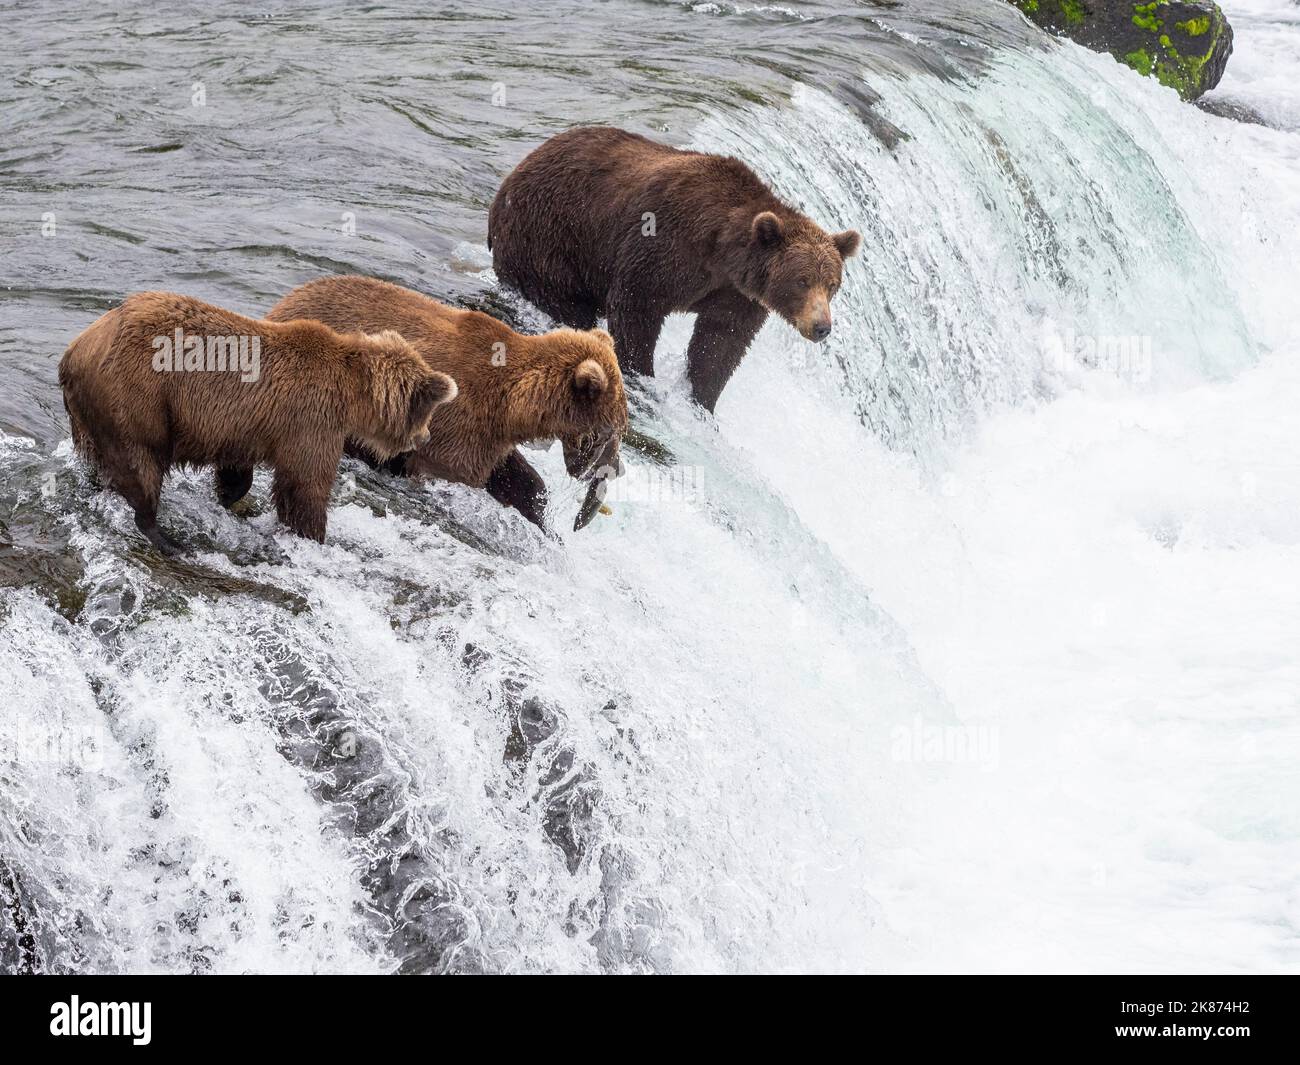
[589, 380]
[604, 338]
[767, 229]
[390, 340]
[847, 243]
[435, 389]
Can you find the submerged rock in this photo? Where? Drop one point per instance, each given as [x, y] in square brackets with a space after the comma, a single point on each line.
[1185, 45]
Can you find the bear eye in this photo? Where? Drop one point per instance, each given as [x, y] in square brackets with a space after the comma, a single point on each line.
[804, 283]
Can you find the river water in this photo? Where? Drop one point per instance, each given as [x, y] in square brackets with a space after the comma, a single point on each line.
[965, 641]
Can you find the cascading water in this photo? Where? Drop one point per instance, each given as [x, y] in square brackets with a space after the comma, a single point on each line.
[953, 643]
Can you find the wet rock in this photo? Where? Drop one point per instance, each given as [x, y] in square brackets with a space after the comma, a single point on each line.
[185, 578]
[1184, 45]
[1231, 109]
[415, 904]
[18, 948]
[34, 548]
[55, 575]
[346, 745]
[863, 102]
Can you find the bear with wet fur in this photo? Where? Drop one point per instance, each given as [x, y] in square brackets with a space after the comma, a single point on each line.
[513, 388]
[166, 380]
[598, 222]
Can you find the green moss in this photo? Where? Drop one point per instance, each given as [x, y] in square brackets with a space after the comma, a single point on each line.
[1159, 37]
[1181, 72]
[1071, 11]
[1140, 61]
[1144, 17]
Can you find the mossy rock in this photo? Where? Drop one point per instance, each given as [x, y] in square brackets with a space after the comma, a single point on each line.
[1184, 45]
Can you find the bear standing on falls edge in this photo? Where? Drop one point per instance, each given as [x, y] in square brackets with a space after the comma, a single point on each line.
[165, 380]
[601, 222]
[513, 388]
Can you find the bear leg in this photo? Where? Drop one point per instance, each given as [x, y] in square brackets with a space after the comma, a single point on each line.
[233, 483]
[581, 314]
[636, 332]
[577, 312]
[399, 465]
[138, 479]
[82, 441]
[727, 323]
[514, 483]
[148, 524]
[302, 490]
[554, 291]
[301, 508]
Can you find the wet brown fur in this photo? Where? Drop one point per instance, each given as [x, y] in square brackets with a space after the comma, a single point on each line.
[567, 228]
[316, 387]
[513, 388]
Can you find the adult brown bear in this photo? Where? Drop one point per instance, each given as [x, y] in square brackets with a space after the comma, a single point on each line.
[514, 388]
[166, 380]
[601, 222]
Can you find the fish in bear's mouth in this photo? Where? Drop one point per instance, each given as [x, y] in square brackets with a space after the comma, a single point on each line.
[606, 465]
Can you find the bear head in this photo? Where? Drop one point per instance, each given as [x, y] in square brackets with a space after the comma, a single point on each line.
[598, 407]
[403, 393]
[582, 395]
[801, 267]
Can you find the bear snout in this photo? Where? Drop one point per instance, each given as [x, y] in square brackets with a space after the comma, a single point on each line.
[817, 325]
[814, 318]
[579, 454]
[586, 456]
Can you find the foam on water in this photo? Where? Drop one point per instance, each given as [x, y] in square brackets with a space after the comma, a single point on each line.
[570, 758]
[1261, 72]
[1100, 576]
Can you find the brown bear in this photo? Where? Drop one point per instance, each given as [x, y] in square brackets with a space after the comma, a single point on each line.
[513, 388]
[166, 380]
[601, 222]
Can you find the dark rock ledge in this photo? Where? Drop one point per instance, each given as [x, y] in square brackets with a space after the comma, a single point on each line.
[1184, 45]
